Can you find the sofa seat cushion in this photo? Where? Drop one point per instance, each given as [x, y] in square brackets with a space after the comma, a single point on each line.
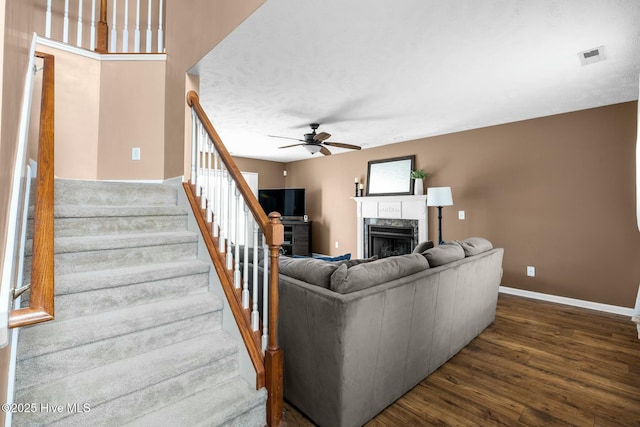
[314, 271]
[345, 280]
[444, 254]
[475, 245]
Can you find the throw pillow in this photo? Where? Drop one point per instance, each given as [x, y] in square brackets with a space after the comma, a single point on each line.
[344, 257]
[345, 280]
[353, 262]
[443, 254]
[423, 246]
[310, 270]
[475, 245]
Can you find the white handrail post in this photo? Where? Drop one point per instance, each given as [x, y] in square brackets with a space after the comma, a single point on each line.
[160, 31]
[114, 32]
[79, 35]
[136, 37]
[47, 25]
[125, 31]
[92, 36]
[149, 36]
[65, 27]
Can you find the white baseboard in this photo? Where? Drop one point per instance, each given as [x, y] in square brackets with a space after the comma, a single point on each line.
[569, 301]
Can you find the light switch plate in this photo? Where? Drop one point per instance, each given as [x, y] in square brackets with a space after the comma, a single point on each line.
[135, 153]
[460, 214]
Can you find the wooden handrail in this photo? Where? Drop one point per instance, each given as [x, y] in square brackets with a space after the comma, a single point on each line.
[41, 307]
[272, 365]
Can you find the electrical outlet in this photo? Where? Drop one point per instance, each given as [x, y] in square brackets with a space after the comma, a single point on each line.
[460, 214]
[135, 153]
[337, 245]
[531, 271]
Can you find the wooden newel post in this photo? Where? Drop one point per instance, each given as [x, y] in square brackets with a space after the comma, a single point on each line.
[274, 360]
[103, 29]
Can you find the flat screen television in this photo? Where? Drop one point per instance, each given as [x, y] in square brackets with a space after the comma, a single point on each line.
[290, 202]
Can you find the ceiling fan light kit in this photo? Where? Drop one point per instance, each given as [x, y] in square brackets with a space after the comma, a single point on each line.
[314, 142]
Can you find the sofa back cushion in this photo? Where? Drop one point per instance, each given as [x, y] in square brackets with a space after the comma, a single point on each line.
[345, 280]
[314, 271]
[475, 245]
[444, 254]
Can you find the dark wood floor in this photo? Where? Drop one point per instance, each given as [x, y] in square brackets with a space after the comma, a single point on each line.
[538, 364]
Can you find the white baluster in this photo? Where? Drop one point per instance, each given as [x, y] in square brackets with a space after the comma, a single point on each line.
[65, 28]
[255, 315]
[205, 170]
[160, 32]
[245, 266]
[218, 197]
[198, 156]
[236, 256]
[114, 32]
[47, 25]
[79, 35]
[210, 149]
[92, 42]
[136, 37]
[230, 185]
[194, 147]
[265, 295]
[215, 201]
[125, 31]
[149, 36]
[222, 210]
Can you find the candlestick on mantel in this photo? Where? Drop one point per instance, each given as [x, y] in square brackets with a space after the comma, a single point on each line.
[361, 187]
[356, 190]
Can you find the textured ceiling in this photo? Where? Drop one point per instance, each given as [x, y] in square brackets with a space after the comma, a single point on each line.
[377, 72]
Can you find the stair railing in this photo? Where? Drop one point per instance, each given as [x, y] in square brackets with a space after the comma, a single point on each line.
[41, 286]
[66, 18]
[230, 217]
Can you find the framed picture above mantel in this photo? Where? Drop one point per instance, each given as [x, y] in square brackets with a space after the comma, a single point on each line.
[390, 177]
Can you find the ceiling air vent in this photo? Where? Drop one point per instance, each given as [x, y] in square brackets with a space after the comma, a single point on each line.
[591, 56]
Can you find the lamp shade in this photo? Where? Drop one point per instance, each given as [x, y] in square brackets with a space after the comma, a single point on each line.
[313, 148]
[439, 196]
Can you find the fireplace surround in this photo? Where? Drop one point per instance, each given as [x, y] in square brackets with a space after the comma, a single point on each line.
[399, 212]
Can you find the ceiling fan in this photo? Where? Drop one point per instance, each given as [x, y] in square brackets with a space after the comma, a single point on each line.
[314, 142]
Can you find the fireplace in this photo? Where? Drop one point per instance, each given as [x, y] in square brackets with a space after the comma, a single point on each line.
[386, 241]
[389, 237]
[396, 215]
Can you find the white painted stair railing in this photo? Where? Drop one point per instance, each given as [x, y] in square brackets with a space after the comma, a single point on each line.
[231, 220]
[64, 17]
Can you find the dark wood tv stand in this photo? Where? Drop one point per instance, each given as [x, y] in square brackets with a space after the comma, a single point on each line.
[297, 238]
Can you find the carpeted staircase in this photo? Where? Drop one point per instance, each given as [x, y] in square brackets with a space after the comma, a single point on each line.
[137, 337]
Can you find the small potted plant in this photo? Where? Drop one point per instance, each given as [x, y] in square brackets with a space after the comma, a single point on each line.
[418, 176]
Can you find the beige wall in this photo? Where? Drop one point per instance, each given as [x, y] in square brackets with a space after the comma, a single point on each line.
[269, 173]
[131, 115]
[557, 193]
[189, 36]
[15, 38]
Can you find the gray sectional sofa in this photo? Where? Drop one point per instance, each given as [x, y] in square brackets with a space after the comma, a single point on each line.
[358, 335]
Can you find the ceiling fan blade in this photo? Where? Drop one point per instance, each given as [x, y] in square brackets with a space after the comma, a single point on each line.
[285, 137]
[341, 145]
[322, 136]
[325, 151]
[292, 145]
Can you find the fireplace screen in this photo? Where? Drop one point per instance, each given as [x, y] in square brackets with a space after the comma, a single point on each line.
[386, 241]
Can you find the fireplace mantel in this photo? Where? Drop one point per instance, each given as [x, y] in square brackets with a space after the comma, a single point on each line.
[392, 207]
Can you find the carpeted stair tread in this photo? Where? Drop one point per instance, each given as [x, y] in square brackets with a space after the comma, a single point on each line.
[116, 277]
[109, 382]
[100, 193]
[84, 357]
[55, 336]
[119, 411]
[119, 241]
[91, 211]
[103, 300]
[215, 406]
